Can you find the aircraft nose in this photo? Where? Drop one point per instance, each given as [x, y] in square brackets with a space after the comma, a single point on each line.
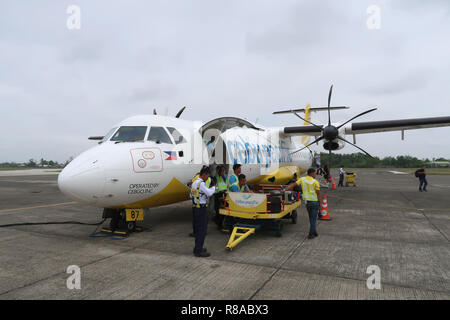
[83, 181]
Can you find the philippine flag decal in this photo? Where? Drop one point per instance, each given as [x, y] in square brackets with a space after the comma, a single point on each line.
[171, 155]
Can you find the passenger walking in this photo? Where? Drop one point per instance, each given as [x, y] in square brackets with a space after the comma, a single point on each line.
[311, 194]
[317, 160]
[420, 173]
[200, 194]
[326, 173]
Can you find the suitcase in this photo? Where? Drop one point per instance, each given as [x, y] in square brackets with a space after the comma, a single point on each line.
[274, 202]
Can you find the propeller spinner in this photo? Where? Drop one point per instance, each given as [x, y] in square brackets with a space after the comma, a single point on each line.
[330, 133]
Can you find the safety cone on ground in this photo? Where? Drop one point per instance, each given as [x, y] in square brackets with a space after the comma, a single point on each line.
[333, 186]
[324, 214]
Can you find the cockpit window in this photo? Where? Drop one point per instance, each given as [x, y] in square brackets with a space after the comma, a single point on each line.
[158, 135]
[129, 134]
[109, 134]
[177, 136]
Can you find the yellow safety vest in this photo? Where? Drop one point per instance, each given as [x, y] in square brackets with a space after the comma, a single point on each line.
[207, 182]
[309, 193]
[195, 194]
[241, 189]
[236, 182]
[221, 184]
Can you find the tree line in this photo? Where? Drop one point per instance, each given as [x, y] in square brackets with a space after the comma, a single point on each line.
[32, 163]
[361, 160]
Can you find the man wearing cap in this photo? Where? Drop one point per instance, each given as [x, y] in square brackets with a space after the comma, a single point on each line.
[200, 194]
[208, 184]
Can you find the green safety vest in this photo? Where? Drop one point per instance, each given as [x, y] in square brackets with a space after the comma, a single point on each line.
[236, 182]
[221, 184]
[241, 189]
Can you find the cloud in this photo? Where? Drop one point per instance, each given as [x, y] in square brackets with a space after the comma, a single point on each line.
[220, 58]
[153, 91]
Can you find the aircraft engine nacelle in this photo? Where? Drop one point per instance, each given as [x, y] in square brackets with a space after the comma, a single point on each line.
[332, 143]
[335, 144]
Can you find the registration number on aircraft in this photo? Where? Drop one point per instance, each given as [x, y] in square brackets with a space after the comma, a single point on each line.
[134, 214]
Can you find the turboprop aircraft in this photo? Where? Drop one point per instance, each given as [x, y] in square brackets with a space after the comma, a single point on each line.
[147, 161]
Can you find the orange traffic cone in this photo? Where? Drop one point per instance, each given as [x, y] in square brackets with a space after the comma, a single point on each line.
[333, 186]
[324, 215]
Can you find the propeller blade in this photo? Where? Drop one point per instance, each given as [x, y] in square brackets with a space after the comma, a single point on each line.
[329, 101]
[154, 112]
[312, 109]
[363, 113]
[315, 125]
[180, 112]
[340, 138]
[317, 140]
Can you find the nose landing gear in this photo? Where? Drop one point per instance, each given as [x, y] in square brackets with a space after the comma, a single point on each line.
[123, 221]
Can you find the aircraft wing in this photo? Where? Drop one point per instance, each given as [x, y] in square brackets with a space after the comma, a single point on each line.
[374, 126]
[303, 131]
[396, 125]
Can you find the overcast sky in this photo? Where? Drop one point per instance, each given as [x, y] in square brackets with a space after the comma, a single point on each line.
[218, 57]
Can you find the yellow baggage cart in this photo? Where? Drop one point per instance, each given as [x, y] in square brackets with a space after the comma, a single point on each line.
[247, 212]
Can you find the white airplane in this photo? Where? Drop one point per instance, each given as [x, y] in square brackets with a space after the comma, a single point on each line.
[146, 161]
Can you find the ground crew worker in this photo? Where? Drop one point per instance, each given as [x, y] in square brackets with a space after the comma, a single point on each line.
[210, 144]
[242, 186]
[420, 173]
[200, 193]
[311, 194]
[233, 178]
[208, 183]
[221, 189]
[341, 176]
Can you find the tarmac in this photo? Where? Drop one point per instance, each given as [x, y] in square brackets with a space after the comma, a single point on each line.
[384, 221]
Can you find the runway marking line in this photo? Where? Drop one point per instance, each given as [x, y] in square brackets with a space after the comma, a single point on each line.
[37, 207]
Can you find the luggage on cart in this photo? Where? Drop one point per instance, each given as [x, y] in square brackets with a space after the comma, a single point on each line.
[274, 201]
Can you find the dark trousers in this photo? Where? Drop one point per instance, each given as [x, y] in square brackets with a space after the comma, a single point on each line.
[341, 180]
[218, 199]
[313, 208]
[200, 226]
[193, 220]
[423, 183]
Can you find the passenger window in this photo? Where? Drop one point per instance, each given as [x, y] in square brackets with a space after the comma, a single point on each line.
[159, 135]
[177, 136]
[129, 134]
